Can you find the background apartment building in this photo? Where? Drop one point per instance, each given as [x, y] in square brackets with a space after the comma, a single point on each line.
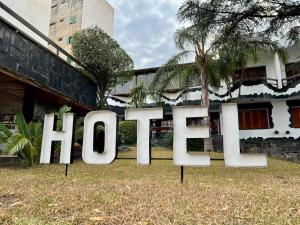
[70, 16]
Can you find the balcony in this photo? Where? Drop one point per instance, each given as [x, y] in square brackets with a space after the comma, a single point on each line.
[39, 72]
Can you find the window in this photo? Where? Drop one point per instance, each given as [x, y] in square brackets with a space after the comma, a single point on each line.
[53, 23]
[73, 19]
[292, 69]
[167, 123]
[253, 119]
[296, 117]
[61, 20]
[69, 40]
[252, 73]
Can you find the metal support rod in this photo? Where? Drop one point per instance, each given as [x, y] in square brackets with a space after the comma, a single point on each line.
[181, 174]
[66, 170]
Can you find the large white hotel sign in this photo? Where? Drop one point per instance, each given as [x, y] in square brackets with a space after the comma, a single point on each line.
[230, 130]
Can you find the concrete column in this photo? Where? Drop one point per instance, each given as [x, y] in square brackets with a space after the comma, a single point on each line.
[277, 64]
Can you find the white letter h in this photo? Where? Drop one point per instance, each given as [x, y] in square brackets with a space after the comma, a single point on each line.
[65, 136]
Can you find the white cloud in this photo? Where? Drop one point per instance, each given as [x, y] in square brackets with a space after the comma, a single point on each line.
[145, 29]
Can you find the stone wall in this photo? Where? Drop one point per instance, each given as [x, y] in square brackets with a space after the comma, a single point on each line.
[283, 148]
[9, 161]
[41, 108]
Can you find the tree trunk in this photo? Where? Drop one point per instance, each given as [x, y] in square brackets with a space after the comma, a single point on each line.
[208, 145]
[240, 84]
[101, 97]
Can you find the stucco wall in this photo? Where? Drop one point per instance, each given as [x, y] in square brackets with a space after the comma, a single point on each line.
[36, 12]
[103, 15]
[281, 120]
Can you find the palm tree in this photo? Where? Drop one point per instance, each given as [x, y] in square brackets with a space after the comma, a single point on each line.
[25, 141]
[218, 51]
[235, 53]
[138, 95]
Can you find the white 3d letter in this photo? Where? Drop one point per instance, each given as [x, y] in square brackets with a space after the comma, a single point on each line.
[109, 154]
[231, 141]
[182, 132]
[143, 117]
[65, 136]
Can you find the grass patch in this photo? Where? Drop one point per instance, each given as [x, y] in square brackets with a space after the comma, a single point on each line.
[125, 193]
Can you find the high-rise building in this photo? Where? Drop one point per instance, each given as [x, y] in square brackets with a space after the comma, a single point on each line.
[70, 16]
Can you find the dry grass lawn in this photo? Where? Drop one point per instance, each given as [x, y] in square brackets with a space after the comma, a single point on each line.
[124, 193]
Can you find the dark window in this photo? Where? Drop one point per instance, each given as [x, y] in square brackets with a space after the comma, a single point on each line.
[252, 73]
[253, 119]
[292, 69]
[296, 117]
[69, 40]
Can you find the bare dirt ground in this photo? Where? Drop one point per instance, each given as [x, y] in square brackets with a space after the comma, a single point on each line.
[124, 193]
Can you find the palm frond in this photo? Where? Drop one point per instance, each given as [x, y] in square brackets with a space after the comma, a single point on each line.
[79, 133]
[185, 37]
[5, 133]
[169, 74]
[22, 126]
[138, 95]
[189, 76]
[36, 136]
[60, 114]
[16, 143]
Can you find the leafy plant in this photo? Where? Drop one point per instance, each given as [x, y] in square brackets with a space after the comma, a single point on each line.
[139, 95]
[60, 114]
[127, 131]
[272, 17]
[165, 141]
[25, 141]
[107, 62]
[78, 124]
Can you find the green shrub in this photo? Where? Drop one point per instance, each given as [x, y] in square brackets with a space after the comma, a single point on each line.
[127, 132]
[195, 144]
[25, 141]
[166, 141]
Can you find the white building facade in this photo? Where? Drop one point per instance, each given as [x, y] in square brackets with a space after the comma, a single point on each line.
[269, 103]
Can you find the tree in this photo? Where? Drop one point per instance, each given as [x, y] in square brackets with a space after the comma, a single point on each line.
[108, 63]
[208, 42]
[25, 141]
[274, 18]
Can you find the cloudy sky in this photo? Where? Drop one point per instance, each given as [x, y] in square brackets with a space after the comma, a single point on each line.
[145, 29]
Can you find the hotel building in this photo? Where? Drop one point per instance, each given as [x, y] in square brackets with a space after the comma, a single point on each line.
[269, 104]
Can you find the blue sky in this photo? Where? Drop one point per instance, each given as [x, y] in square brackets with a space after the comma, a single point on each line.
[145, 29]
